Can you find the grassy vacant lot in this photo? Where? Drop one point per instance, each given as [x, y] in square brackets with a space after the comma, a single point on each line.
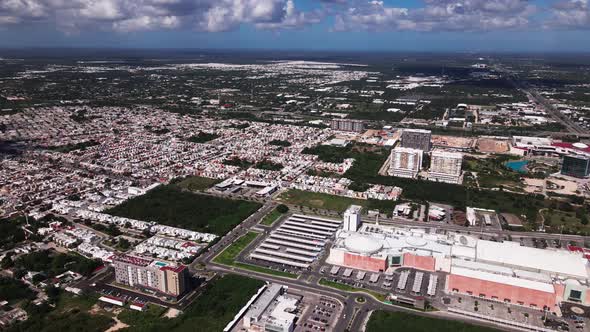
[270, 218]
[331, 202]
[196, 183]
[229, 254]
[318, 200]
[139, 319]
[347, 288]
[53, 263]
[171, 206]
[211, 311]
[572, 222]
[382, 321]
[71, 314]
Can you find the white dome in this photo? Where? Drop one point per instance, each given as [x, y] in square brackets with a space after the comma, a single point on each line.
[580, 145]
[416, 241]
[362, 244]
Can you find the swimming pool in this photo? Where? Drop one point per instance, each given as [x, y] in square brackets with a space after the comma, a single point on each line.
[518, 166]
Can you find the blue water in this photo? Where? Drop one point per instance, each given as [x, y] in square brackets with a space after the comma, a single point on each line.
[518, 166]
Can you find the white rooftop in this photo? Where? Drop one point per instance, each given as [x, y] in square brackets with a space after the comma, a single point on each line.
[512, 254]
[503, 279]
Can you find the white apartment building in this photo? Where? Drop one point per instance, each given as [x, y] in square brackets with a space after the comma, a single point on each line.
[445, 166]
[405, 162]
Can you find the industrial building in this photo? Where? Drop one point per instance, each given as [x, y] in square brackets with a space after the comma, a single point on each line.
[497, 271]
[405, 162]
[347, 125]
[445, 166]
[576, 165]
[416, 139]
[297, 242]
[159, 276]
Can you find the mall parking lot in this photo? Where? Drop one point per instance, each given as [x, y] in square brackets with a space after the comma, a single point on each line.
[384, 282]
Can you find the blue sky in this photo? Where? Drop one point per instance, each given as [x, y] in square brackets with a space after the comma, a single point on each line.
[417, 25]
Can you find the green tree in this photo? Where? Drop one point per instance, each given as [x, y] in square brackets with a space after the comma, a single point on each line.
[7, 262]
[282, 208]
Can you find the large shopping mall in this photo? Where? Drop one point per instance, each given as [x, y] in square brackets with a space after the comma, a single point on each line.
[502, 271]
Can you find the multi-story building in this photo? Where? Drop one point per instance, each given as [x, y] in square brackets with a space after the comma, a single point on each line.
[577, 165]
[348, 125]
[405, 162]
[156, 275]
[445, 166]
[352, 218]
[416, 139]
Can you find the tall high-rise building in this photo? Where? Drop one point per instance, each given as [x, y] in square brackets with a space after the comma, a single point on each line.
[416, 139]
[159, 276]
[347, 125]
[576, 165]
[445, 166]
[405, 162]
[352, 218]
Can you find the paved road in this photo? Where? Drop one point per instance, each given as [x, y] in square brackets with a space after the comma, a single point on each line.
[571, 125]
[353, 314]
[235, 233]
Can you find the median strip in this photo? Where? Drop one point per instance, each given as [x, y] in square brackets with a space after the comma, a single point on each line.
[332, 284]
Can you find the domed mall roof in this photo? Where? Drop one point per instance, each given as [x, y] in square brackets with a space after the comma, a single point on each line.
[362, 244]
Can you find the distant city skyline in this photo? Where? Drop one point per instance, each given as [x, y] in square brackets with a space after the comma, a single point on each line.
[412, 25]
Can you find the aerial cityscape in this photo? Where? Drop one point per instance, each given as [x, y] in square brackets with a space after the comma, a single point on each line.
[314, 176]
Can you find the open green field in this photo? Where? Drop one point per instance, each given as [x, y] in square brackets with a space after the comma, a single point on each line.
[495, 181]
[138, 319]
[71, 314]
[229, 254]
[385, 321]
[171, 206]
[210, 312]
[339, 204]
[196, 183]
[318, 200]
[270, 218]
[347, 288]
[572, 222]
[54, 263]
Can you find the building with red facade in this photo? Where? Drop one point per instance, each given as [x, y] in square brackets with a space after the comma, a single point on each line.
[497, 271]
